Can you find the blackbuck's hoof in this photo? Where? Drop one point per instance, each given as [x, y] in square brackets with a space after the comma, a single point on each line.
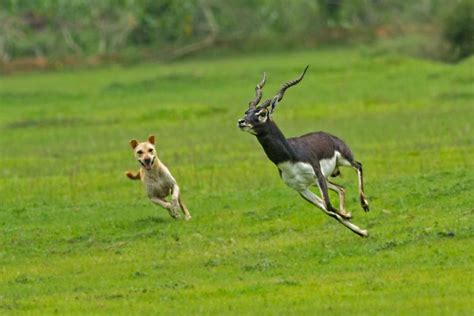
[364, 204]
[345, 215]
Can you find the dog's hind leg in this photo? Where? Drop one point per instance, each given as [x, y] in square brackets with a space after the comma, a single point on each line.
[185, 210]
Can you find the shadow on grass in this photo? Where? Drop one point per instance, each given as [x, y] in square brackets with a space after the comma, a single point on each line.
[150, 220]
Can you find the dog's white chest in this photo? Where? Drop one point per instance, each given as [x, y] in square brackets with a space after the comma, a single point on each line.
[297, 175]
[157, 188]
[158, 184]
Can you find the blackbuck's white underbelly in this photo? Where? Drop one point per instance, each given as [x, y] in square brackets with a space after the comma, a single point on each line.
[300, 175]
[297, 175]
[328, 165]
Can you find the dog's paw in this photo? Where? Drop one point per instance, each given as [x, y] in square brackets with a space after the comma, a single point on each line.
[175, 205]
[173, 210]
[173, 213]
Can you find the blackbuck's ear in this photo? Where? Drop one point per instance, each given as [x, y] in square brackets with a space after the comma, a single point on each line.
[151, 139]
[273, 104]
[133, 143]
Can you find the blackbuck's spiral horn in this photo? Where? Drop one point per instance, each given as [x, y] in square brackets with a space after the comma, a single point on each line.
[258, 91]
[266, 103]
[279, 96]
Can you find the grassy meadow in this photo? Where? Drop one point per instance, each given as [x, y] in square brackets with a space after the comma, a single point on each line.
[78, 237]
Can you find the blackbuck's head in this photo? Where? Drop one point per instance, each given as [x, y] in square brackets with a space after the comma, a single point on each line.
[257, 116]
[145, 152]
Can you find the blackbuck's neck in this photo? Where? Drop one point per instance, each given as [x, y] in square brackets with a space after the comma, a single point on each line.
[275, 144]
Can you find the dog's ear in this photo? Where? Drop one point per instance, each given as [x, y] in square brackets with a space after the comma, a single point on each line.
[133, 143]
[151, 139]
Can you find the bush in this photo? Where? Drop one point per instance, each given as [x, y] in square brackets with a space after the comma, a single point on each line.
[77, 29]
[458, 30]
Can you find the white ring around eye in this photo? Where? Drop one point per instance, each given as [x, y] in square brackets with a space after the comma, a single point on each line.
[260, 112]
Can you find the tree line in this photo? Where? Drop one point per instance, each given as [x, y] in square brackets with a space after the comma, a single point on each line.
[176, 28]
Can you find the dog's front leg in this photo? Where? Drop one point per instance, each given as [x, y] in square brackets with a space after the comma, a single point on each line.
[161, 202]
[168, 206]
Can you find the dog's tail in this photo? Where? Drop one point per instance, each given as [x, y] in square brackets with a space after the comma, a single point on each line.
[132, 176]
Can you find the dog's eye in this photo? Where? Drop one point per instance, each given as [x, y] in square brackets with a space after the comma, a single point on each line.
[262, 114]
[150, 150]
[139, 152]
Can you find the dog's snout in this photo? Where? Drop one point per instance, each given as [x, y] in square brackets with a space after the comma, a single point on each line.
[147, 160]
[241, 121]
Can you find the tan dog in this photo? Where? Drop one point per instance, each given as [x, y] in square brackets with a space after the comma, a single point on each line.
[157, 179]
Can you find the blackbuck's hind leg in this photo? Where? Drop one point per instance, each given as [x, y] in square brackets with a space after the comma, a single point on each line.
[322, 184]
[340, 191]
[363, 201]
[325, 204]
[315, 200]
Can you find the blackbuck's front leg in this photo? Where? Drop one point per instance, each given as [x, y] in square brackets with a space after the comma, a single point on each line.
[315, 200]
[363, 201]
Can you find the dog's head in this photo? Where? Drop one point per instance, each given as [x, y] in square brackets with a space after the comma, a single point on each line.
[145, 152]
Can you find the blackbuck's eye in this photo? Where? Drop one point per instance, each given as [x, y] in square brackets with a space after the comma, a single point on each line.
[139, 152]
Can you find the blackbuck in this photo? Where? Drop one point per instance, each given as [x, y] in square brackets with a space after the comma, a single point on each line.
[304, 161]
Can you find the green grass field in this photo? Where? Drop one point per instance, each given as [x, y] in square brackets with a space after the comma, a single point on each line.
[77, 237]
